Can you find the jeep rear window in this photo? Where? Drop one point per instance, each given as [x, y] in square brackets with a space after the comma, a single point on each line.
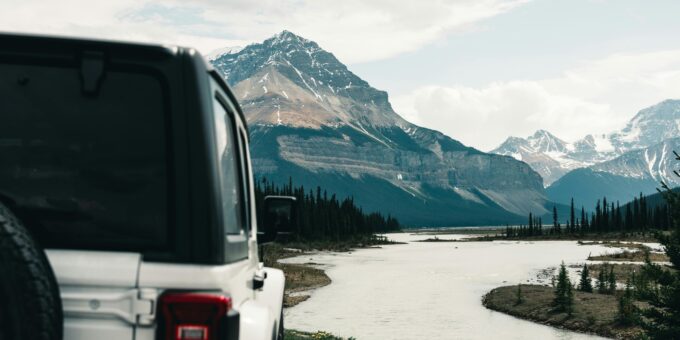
[85, 171]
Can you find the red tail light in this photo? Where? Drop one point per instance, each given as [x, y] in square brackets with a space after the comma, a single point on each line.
[194, 316]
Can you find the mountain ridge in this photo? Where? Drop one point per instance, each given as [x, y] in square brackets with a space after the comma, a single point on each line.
[649, 126]
[312, 118]
[621, 178]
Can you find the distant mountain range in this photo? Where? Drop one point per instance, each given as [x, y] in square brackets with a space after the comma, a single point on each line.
[622, 178]
[314, 120]
[618, 165]
[552, 157]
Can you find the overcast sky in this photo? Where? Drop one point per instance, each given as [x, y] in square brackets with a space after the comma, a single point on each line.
[477, 70]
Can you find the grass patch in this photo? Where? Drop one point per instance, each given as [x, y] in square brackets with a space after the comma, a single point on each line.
[593, 313]
[615, 244]
[609, 237]
[437, 239]
[291, 334]
[459, 231]
[630, 256]
[299, 277]
[623, 271]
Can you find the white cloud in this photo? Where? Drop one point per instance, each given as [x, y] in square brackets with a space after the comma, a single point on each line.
[597, 97]
[355, 30]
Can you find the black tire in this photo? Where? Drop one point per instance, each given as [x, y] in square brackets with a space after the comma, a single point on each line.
[30, 305]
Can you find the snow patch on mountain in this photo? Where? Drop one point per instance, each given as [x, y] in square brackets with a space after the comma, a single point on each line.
[552, 157]
[223, 51]
[655, 162]
[548, 155]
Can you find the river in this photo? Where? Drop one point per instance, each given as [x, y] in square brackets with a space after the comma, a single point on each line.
[428, 290]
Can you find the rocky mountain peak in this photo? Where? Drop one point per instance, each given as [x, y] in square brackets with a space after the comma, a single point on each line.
[314, 120]
[292, 81]
[292, 55]
[287, 39]
[544, 141]
[553, 157]
[649, 126]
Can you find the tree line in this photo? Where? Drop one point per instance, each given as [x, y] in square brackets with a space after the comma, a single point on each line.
[323, 216]
[656, 284]
[635, 216]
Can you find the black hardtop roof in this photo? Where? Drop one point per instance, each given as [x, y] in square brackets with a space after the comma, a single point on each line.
[28, 42]
[36, 43]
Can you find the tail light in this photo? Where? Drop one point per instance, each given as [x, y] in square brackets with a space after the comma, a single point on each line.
[196, 316]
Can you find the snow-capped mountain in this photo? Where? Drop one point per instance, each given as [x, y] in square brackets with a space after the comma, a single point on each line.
[655, 162]
[314, 120]
[548, 155]
[621, 178]
[290, 80]
[553, 158]
[649, 126]
[222, 51]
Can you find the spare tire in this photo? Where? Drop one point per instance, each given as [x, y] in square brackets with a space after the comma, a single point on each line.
[30, 305]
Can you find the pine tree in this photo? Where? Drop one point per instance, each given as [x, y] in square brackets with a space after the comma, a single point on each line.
[555, 217]
[585, 285]
[602, 280]
[611, 281]
[619, 225]
[643, 212]
[324, 218]
[664, 319]
[628, 223]
[519, 298]
[628, 314]
[569, 308]
[636, 214]
[564, 297]
[598, 217]
[605, 215]
[572, 216]
[584, 220]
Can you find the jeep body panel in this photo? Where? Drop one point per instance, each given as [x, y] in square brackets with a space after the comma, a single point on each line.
[110, 288]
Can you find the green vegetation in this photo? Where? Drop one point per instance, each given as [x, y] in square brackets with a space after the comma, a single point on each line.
[602, 282]
[635, 216]
[663, 320]
[585, 285]
[624, 271]
[617, 244]
[628, 312]
[648, 307]
[520, 298]
[564, 295]
[299, 277]
[291, 334]
[630, 256]
[437, 239]
[324, 217]
[591, 313]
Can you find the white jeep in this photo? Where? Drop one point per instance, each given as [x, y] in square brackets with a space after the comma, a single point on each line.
[129, 165]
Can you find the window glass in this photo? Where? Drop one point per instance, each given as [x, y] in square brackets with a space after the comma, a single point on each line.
[229, 177]
[245, 165]
[85, 171]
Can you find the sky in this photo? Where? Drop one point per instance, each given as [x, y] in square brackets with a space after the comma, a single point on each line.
[477, 70]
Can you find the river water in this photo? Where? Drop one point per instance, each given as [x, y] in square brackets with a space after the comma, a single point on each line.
[427, 290]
